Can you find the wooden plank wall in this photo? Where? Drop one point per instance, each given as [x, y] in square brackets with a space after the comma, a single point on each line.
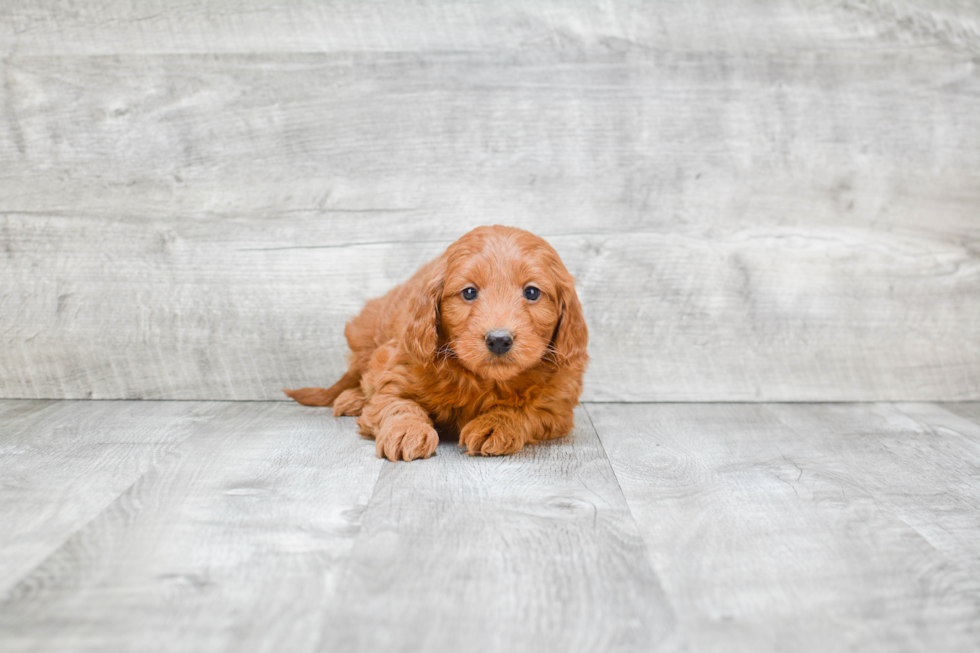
[760, 200]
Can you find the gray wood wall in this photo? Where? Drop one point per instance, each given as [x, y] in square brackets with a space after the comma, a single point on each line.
[760, 200]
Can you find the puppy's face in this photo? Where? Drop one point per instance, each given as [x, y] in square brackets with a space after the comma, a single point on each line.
[500, 307]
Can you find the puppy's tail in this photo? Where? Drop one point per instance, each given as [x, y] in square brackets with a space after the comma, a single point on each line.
[324, 396]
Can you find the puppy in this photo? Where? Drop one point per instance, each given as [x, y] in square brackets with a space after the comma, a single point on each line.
[486, 342]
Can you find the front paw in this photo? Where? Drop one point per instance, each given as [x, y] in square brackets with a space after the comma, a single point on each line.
[406, 439]
[491, 435]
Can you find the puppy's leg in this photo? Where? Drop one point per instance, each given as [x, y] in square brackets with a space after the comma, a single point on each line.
[401, 428]
[349, 402]
[506, 429]
[497, 432]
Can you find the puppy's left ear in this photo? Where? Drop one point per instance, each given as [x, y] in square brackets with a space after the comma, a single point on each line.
[422, 329]
[571, 337]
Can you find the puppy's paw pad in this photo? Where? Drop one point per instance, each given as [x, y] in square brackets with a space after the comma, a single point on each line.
[349, 402]
[407, 440]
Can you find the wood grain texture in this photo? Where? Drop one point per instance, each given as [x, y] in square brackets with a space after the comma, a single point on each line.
[137, 311]
[533, 552]
[919, 461]
[233, 542]
[969, 410]
[685, 527]
[810, 538]
[63, 462]
[761, 201]
[100, 27]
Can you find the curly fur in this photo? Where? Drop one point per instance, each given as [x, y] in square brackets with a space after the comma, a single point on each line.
[419, 363]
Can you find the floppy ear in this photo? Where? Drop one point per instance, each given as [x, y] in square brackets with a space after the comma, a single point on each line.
[571, 337]
[422, 328]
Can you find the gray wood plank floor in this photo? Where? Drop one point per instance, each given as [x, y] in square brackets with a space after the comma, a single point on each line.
[654, 527]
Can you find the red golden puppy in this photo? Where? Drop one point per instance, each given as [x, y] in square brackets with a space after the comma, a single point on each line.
[486, 342]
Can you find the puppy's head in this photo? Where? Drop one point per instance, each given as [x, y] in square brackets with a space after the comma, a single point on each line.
[501, 301]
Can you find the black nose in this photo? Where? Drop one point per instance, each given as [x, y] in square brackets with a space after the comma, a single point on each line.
[499, 341]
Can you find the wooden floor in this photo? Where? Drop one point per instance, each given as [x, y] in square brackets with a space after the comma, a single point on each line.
[199, 526]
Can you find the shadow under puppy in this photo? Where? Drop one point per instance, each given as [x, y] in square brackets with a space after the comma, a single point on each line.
[487, 341]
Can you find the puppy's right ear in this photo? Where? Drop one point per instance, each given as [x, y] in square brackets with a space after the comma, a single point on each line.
[422, 329]
[571, 336]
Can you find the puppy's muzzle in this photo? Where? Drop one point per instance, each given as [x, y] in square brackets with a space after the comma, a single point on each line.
[499, 341]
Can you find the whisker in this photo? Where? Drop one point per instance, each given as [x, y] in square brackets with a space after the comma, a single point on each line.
[553, 357]
[447, 350]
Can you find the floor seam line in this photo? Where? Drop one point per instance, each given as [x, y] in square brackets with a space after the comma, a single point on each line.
[7, 594]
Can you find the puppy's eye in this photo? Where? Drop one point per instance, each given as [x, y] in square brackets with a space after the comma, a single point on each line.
[469, 294]
[531, 293]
